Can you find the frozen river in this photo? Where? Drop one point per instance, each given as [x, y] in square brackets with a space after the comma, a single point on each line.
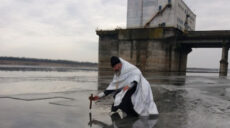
[40, 99]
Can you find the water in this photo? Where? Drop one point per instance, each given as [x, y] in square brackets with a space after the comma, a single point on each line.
[44, 99]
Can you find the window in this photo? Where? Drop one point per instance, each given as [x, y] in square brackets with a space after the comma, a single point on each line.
[180, 21]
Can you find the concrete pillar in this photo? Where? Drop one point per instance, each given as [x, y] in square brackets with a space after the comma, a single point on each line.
[224, 61]
[150, 49]
[108, 46]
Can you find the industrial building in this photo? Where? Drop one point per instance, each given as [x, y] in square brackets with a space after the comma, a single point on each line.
[164, 13]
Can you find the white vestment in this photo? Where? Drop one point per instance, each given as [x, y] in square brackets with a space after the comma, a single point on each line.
[142, 98]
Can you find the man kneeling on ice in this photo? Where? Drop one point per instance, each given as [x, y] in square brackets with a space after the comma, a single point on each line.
[132, 92]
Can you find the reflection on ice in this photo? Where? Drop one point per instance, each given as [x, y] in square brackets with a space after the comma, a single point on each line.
[126, 122]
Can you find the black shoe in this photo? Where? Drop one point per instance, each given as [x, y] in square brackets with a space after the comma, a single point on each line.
[115, 116]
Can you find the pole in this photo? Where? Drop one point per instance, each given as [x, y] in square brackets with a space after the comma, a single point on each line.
[224, 61]
[90, 104]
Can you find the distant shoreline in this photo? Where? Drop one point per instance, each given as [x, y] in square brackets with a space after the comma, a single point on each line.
[82, 67]
[33, 64]
[44, 62]
[46, 68]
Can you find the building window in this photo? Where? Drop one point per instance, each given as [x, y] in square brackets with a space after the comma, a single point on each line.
[180, 21]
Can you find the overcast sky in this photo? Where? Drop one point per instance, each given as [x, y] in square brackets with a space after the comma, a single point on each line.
[65, 29]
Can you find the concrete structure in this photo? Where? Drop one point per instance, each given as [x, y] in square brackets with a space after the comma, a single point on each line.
[209, 39]
[154, 13]
[161, 51]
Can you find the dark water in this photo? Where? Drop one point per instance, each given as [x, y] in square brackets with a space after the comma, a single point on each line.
[59, 99]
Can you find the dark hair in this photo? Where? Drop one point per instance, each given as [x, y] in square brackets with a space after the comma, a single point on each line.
[114, 60]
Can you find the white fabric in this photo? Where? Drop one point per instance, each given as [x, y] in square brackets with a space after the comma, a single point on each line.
[142, 98]
[102, 94]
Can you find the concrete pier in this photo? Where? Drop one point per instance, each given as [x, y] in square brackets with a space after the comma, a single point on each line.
[157, 51]
[224, 61]
[154, 51]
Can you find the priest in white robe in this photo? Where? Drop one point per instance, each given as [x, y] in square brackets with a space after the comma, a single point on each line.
[133, 94]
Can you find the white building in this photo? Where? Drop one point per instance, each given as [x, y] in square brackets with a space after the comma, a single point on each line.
[153, 13]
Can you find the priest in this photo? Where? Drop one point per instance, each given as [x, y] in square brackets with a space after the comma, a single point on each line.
[132, 92]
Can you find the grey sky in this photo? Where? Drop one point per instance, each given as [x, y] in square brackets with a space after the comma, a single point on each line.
[65, 29]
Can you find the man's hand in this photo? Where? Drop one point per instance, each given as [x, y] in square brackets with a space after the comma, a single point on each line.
[94, 98]
[126, 88]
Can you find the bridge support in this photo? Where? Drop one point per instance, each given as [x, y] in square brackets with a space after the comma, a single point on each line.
[224, 61]
[154, 51]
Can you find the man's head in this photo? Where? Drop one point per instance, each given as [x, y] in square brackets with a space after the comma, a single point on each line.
[116, 64]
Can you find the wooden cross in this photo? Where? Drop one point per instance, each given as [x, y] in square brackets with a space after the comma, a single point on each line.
[90, 104]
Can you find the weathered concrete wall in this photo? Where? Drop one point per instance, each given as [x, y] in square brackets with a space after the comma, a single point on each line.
[153, 50]
[108, 46]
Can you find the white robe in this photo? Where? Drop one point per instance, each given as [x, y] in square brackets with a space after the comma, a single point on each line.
[142, 98]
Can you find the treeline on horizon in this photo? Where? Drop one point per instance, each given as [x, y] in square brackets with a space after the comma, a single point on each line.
[35, 61]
